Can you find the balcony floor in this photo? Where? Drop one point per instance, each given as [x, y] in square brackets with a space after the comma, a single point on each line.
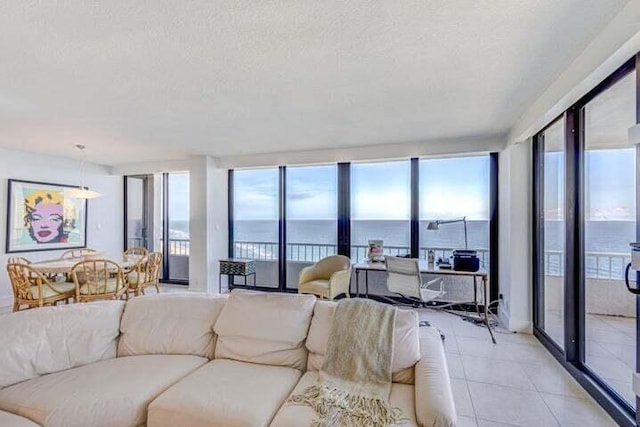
[611, 349]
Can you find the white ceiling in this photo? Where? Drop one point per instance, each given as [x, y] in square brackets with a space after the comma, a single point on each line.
[145, 81]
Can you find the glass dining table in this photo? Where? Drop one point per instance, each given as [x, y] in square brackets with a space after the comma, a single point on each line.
[64, 265]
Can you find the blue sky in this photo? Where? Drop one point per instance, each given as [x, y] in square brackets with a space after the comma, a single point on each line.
[609, 180]
[179, 196]
[449, 188]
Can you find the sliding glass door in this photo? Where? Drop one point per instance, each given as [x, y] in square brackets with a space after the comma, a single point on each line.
[585, 215]
[550, 233]
[609, 226]
[157, 218]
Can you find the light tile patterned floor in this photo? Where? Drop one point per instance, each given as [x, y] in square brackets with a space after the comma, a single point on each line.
[611, 350]
[513, 383]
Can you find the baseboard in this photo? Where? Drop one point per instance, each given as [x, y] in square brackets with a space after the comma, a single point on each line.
[514, 325]
[6, 301]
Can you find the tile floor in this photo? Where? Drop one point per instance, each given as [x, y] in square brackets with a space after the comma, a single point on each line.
[513, 383]
[610, 345]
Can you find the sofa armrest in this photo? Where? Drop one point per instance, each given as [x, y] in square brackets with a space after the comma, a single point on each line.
[434, 398]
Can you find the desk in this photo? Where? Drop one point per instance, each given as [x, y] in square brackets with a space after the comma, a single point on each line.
[425, 268]
[236, 267]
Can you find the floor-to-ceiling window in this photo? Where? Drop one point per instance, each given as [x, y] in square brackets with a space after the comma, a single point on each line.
[454, 194]
[312, 215]
[256, 213]
[288, 217]
[380, 207]
[609, 226]
[585, 216]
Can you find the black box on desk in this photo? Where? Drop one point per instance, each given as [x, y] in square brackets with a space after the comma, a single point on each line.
[466, 260]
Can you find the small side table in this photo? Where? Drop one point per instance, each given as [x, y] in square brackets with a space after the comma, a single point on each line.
[231, 267]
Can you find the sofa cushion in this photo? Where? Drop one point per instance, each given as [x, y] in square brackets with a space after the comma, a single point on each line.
[170, 324]
[224, 393]
[7, 419]
[265, 328]
[51, 339]
[406, 342]
[402, 396]
[113, 392]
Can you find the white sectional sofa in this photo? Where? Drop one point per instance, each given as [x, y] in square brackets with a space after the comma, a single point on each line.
[194, 360]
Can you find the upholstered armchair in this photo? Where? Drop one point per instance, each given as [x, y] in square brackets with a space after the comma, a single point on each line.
[327, 278]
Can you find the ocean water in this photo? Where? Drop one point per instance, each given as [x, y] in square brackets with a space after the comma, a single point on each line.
[601, 236]
[393, 233]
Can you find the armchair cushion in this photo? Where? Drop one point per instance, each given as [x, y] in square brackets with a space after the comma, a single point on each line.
[47, 291]
[265, 328]
[324, 268]
[316, 287]
[134, 278]
[100, 288]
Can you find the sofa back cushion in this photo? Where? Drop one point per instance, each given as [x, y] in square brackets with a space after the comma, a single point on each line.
[51, 339]
[265, 328]
[406, 341]
[180, 323]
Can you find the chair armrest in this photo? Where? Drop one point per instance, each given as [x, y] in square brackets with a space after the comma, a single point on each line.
[434, 398]
[307, 274]
[339, 282]
[430, 283]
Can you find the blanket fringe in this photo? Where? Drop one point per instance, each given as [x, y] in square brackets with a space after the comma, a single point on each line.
[336, 407]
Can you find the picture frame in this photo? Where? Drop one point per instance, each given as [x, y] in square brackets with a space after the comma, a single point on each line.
[42, 216]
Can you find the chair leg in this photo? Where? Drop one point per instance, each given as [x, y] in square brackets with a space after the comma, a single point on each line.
[157, 288]
[16, 306]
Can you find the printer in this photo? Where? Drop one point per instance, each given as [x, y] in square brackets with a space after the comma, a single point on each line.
[465, 260]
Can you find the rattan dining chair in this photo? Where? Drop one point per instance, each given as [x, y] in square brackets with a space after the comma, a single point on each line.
[145, 273]
[98, 279]
[18, 260]
[31, 288]
[77, 253]
[136, 251]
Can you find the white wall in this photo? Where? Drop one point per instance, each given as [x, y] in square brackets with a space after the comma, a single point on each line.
[104, 220]
[515, 236]
[434, 148]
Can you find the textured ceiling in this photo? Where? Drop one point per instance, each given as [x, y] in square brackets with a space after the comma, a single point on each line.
[143, 81]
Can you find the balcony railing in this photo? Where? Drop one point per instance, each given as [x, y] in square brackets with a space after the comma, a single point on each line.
[177, 247]
[312, 252]
[599, 265]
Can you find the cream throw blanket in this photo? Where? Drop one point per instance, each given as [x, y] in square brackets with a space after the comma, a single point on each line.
[355, 380]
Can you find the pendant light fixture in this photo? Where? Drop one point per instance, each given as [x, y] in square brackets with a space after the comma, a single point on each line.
[81, 192]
